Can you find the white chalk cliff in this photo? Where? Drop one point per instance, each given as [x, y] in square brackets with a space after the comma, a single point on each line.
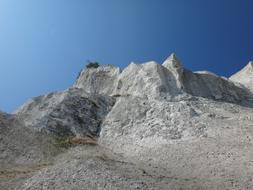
[149, 126]
[244, 76]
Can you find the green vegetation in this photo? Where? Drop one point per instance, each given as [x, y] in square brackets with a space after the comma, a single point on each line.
[66, 142]
[92, 65]
[62, 142]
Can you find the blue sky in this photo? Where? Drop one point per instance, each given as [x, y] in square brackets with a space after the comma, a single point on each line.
[44, 43]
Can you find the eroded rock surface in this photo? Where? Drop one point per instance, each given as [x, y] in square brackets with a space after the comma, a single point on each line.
[244, 76]
[101, 80]
[151, 126]
[70, 113]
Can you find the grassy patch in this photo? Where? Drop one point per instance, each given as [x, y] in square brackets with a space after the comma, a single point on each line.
[67, 142]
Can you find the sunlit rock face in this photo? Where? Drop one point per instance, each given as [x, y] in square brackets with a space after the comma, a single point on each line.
[153, 80]
[244, 76]
[149, 80]
[204, 84]
[152, 126]
[70, 113]
[101, 80]
[162, 104]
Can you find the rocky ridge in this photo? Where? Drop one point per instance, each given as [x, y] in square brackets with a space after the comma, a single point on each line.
[152, 126]
[244, 77]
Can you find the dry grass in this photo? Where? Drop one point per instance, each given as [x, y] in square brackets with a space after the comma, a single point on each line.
[83, 141]
[10, 173]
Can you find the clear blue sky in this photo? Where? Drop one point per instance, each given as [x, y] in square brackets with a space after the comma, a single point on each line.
[44, 43]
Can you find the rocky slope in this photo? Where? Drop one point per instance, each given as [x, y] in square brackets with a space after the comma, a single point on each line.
[244, 76]
[150, 126]
[70, 113]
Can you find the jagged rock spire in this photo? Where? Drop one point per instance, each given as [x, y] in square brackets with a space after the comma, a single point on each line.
[244, 76]
[172, 61]
[244, 72]
[173, 57]
[247, 68]
[173, 64]
[250, 65]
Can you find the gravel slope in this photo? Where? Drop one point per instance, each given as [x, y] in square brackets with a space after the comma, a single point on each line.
[150, 126]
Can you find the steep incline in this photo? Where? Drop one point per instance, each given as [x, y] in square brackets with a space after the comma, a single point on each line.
[158, 127]
[204, 84]
[244, 76]
[72, 113]
[150, 80]
[101, 80]
[153, 80]
[208, 85]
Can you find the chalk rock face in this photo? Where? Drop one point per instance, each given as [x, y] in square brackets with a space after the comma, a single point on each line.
[209, 85]
[27, 136]
[142, 121]
[190, 139]
[204, 84]
[158, 127]
[101, 80]
[69, 113]
[153, 80]
[174, 65]
[150, 80]
[244, 76]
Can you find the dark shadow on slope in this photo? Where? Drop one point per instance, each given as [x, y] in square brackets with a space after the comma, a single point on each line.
[213, 87]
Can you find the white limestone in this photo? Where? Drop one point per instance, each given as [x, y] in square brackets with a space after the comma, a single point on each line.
[244, 76]
[158, 127]
[101, 80]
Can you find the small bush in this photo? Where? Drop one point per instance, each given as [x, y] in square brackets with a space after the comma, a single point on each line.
[116, 95]
[92, 65]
